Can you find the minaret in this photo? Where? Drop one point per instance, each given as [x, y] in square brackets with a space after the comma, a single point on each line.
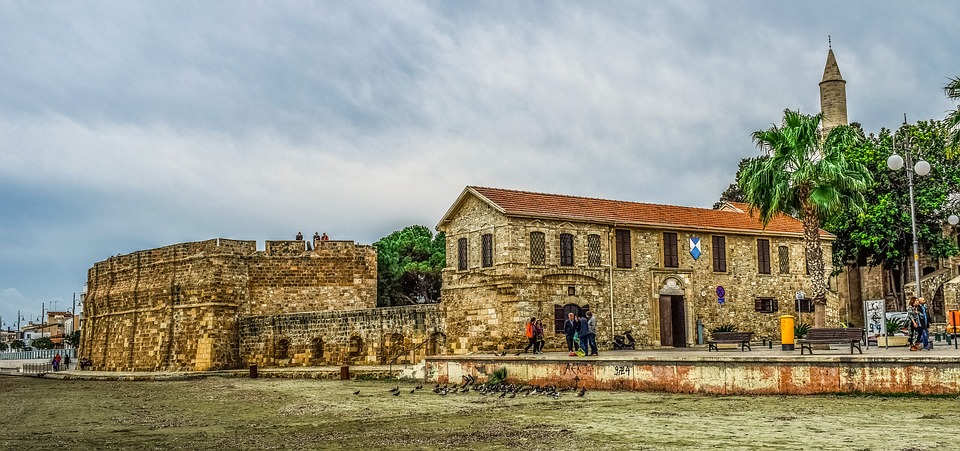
[833, 94]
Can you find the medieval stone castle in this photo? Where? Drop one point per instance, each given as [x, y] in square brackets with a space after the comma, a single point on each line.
[665, 272]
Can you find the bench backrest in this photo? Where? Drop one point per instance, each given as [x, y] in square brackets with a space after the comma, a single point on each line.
[732, 336]
[824, 333]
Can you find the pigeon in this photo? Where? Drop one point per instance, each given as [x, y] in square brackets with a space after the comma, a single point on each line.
[413, 390]
[503, 394]
[582, 392]
[397, 390]
[419, 387]
[396, 393]
[356, 392]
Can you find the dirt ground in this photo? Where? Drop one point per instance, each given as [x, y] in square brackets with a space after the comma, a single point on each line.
[234, 413]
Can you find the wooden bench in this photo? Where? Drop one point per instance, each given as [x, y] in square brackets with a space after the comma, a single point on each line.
[824, 335]
[740, 338]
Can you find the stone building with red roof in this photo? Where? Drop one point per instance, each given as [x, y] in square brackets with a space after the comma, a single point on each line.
[654, 269]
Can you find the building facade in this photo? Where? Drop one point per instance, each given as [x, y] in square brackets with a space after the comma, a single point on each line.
[654, 269]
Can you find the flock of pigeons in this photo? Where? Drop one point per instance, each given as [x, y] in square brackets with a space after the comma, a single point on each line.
[499, 390]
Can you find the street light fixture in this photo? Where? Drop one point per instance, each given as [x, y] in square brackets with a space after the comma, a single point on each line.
[922, 168]
[953, 219]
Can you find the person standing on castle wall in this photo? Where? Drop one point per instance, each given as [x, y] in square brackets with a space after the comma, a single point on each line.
[299, 236]
[570, 327]
[531, 338]
[316, 236]
[538, 336]
[592, 335]
[324, 237]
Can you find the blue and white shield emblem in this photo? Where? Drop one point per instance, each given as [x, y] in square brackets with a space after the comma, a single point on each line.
[695, 248]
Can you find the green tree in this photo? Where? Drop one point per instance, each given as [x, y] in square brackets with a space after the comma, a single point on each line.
[3, 347]
[409, 265]
[952, 90]
[733, 193]
[807, 174]
[16, 345]
[880, 234]
[42, 343]
[73, 338]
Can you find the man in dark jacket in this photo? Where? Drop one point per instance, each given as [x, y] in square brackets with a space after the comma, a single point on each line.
[570, 327]
[584, 332]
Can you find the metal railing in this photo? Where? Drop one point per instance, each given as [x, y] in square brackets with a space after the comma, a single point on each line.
[36, 368]
[38, 354]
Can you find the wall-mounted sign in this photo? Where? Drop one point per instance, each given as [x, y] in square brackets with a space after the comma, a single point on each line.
[695, 248]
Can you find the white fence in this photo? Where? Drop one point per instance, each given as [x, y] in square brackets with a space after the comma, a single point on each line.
[38, 354]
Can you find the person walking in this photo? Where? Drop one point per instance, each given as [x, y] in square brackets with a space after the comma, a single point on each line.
[56, 362]
[592, 336]
[923, 314]
[570, 327]
[913, 325]
[531, 338]
[538, 337]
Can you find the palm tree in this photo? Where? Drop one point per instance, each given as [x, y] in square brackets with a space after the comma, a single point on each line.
[805, 174]
[952, 90]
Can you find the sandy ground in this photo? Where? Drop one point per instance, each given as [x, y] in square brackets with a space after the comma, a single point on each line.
[234, 413]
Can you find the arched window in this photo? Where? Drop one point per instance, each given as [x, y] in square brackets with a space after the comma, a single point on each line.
[436, 344]
[356, 346]
[283, 349]
[317, 348]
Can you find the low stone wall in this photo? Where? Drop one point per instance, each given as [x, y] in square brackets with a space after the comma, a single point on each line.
[394, 335]
[719, 375]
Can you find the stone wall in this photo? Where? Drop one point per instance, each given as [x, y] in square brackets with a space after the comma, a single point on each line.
[176, 307]
[381, 336]
[486, 307]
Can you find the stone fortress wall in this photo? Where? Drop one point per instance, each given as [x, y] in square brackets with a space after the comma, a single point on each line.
[204, 305]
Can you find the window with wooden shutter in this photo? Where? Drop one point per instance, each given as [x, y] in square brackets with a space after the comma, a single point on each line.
[783, 252]
[763, 256]
[566, 249]
[487, 254]
[538, 248]
[719, 250]
[593, 250]
[671, 255]
[766, 305]
[804, 305]
[623, 249]
[462, 254]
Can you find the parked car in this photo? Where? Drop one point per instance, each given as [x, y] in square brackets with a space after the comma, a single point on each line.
[27, 348]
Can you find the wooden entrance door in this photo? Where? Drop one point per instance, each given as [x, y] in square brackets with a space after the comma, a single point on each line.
[673, 329]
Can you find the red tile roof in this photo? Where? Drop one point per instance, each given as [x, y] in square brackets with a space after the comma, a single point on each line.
[603, 211]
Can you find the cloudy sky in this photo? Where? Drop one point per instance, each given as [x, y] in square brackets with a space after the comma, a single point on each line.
[133, 125]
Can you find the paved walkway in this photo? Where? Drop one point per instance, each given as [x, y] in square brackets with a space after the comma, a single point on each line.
[941, 352]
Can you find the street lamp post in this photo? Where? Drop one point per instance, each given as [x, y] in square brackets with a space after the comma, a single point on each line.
[922, 168]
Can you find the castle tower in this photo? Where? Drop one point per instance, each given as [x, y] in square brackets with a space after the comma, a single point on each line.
[833, 95]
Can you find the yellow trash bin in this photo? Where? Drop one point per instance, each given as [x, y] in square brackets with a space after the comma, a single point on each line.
[786, 332]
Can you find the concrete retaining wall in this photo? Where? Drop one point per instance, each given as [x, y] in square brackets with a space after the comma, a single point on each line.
[722, 376]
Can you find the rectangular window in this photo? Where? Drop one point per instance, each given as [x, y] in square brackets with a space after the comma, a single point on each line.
[566, 249]
[593, 250]
[766, 305]
[462, 254]
[623, 249]
[804, 305]
[538, 248]
[671, 255]
[763, 256]
[487, 241]
[783, 252]
[719, 253]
